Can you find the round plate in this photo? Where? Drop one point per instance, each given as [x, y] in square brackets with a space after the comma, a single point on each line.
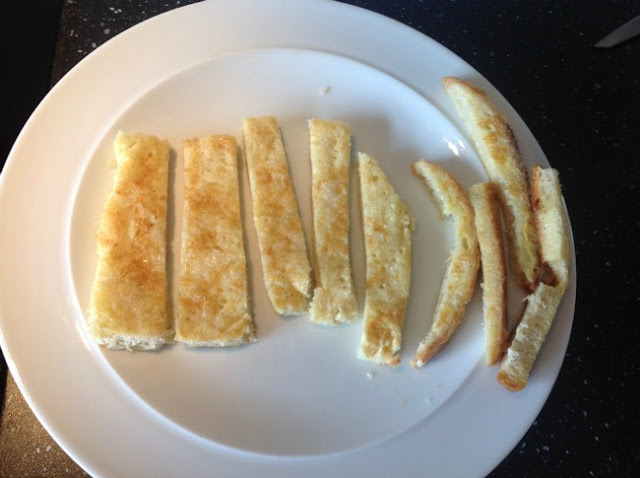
[300, 393]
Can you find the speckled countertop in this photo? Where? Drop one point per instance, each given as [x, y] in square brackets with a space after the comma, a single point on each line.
[581, 104]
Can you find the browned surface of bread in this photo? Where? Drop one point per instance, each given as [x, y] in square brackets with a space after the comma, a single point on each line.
[334, 299]
[283, 250]
[129, 299]
[541, 306]
[484, 200]
[213, 301]
[463, 262]
[501, 158]
[387, 226]
[551, 224]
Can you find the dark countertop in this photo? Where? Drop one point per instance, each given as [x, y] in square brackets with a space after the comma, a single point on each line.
[581, 104]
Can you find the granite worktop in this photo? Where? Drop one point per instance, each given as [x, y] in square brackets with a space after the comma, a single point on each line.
[580, 102]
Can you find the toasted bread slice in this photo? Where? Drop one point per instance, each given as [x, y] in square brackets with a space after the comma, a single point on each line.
[213, 300]
[462, 264]
[551, 224]
[542, 305]
[129, 306]
[387, 225]
[283, 250]
[484, 200]
[501, 157]
[334, 298]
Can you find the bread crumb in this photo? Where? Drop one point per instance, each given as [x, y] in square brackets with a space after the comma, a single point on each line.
[371, 374]
[325, 89]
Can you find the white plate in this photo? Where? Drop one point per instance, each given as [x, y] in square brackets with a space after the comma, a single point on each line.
[298, 402]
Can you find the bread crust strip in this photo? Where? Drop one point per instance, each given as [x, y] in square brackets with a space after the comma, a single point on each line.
[387, 225]
[541, 306]
[334, 299]
[213, 301]
[462, 264]
[283, 250]
[502, 160]
[484, 200]
[129, 307]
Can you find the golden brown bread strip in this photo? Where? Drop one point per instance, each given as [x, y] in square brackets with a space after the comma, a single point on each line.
[129, 299]
[499, 153]
[484, 200]
[387, 226]
[287, 273]
[462, 264]
[542, 305]
[213, 302]
[551, 223]
[334, 300]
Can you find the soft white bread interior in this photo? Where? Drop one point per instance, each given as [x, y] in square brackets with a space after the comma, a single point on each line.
[501, 158]
[283, 250]
[463, 261]
[387, 225]
[334, 298]
[542, 305]
[129, 306]
[213, 301]
[484, 200]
